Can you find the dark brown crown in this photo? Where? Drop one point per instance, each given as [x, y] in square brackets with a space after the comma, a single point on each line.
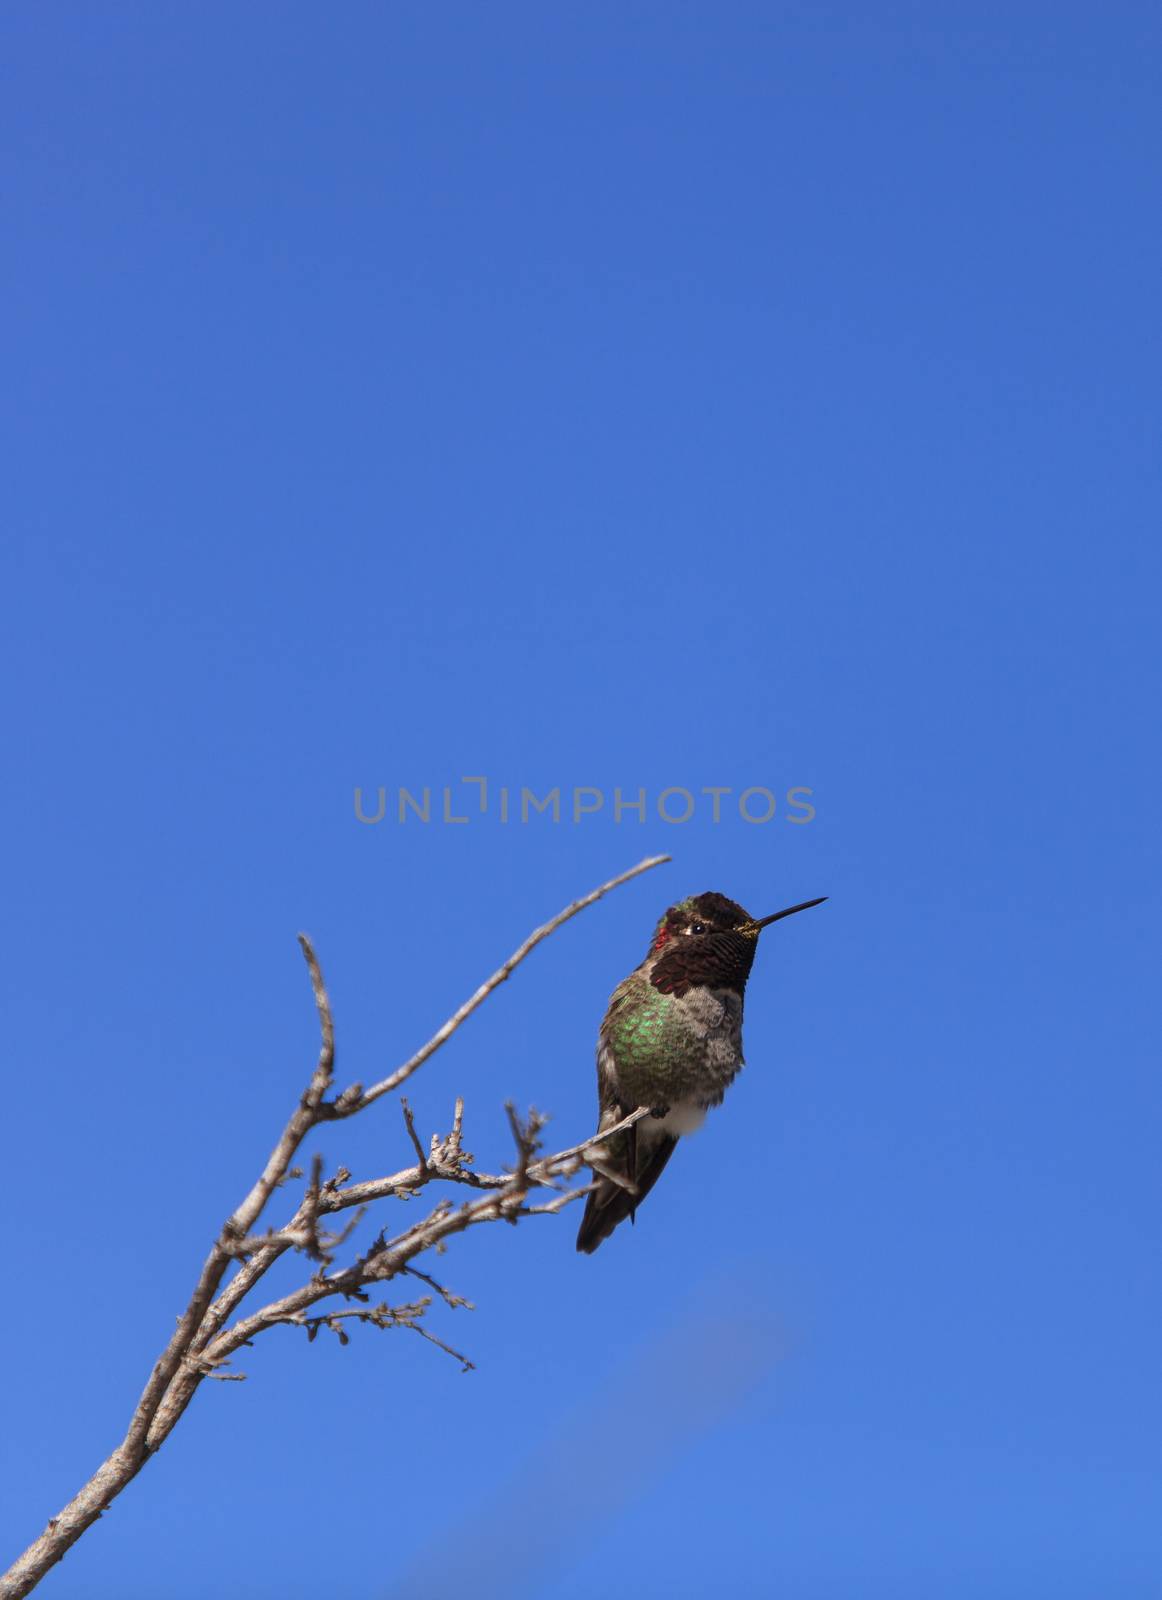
[713, 910]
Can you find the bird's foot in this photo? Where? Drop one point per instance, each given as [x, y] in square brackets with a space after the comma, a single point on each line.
[660, 1112]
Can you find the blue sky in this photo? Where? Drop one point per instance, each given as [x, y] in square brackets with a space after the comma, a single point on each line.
[611, 395]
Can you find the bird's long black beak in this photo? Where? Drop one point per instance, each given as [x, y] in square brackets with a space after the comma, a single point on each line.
[755, 928]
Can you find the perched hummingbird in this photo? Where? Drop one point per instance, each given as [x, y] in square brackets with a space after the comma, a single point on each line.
[670, 1040]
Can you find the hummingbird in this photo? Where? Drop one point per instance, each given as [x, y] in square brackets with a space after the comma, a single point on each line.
[671, 1040]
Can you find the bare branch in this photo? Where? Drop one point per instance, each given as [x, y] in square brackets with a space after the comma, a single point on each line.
[326, 1066]
[202, 1340]
[388, 1260]
[561, 1165]
[320, 1246]
[305, 1116]
[380, 1316]
[550, 1207]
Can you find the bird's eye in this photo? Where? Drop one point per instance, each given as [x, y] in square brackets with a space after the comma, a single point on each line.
[697, 927]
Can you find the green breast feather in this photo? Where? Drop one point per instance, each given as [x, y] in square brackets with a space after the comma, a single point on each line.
[638, 1028]
[646, 1038]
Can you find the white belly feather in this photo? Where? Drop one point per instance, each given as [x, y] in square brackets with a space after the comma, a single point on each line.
[686, 1117]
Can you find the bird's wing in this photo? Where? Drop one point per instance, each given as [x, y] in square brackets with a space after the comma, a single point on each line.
[628, 1165]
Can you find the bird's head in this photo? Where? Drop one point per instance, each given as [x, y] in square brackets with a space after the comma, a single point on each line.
[708, 939]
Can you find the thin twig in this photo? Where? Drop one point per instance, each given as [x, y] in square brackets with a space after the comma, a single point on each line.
[453, 1301]
[443, 1034]
[410, 1124]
